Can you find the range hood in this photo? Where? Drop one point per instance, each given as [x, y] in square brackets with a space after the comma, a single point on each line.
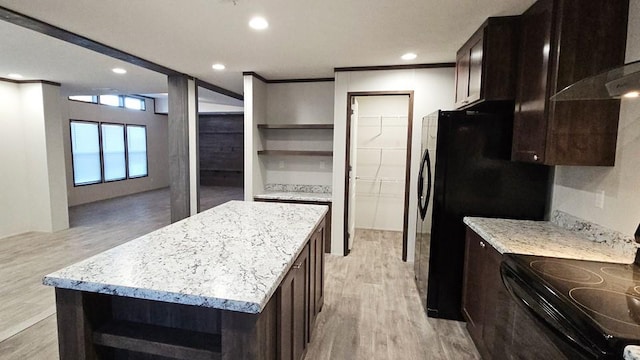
[623, 81]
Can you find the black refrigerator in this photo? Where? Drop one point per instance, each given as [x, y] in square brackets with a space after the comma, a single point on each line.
[466, 171]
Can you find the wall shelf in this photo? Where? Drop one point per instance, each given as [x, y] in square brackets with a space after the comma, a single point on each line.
[295, 152]
[296, 126]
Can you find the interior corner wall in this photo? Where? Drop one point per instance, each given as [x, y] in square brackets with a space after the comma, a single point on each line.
[157, 150]
[433, 90]
[255, 112]
[32, 188]
[14, 203]
[575, 187]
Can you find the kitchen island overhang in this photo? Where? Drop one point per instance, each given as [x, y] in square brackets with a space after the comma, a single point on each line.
[212, 277]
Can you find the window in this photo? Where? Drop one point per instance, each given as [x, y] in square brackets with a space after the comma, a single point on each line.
[85, 150]
[103, 152]
[134, 103]
[113, 149]
[111, 100]
[137, 150]
[123, 101]
[85, 98]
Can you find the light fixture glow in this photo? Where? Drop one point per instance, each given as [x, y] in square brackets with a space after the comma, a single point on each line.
[218, 66]
[632, 94]
[15, 76]
[409, 56]
[119, 70]
[258, 23]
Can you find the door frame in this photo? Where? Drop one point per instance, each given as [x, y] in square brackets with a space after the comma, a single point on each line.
[407, 181]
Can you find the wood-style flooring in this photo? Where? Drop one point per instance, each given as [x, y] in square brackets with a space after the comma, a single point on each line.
[371, 309]
[27, 308]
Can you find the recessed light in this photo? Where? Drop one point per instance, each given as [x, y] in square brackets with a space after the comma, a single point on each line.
[632, 94]
[409, 56]
[119, 70]
[15, 76]
[258, 23]
[218, 66]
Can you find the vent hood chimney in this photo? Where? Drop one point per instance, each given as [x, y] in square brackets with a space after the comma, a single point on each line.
[623, 81]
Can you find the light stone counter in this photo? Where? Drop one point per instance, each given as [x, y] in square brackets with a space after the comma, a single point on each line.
[231, 257]
[295, 196]
[564, 237]
[632, 352]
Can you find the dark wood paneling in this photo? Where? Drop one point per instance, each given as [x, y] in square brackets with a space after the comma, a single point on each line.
[473, 308]
[221, 143]
[316, 275]
[179, 147]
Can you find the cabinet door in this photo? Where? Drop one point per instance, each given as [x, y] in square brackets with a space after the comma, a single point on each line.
[316, 276]
[530, 123]
[475, 68]
[472, 291]
[462, 77]
[293, 309]
[495, 295]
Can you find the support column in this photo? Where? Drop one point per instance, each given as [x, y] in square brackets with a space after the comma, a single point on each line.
[183, 147]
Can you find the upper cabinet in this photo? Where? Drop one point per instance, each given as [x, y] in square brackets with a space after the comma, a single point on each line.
[563, 41]
[486, 63]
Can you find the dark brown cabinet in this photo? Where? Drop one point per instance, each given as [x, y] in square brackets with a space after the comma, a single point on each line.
[561, 42]
[293, 299]
[486, 63]
[316, 276]
[482, 290]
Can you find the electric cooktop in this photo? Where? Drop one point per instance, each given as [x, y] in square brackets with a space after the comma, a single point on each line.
[601, 300]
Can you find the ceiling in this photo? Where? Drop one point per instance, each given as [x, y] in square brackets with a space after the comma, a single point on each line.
[305, 38]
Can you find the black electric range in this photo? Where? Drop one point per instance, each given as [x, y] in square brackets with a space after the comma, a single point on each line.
[593, 308]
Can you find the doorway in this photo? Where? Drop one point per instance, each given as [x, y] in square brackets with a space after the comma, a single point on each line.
[378, 156]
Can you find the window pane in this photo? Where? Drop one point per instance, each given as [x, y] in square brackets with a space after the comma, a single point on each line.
[83, 98]
[133, 103]
[111, 100]
[85, 151]
[137, 150]
[113, 152]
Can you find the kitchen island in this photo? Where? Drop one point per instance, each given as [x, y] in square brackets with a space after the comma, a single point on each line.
[239, 281]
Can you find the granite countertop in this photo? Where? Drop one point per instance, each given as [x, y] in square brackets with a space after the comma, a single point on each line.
[295, 196]
[564, 237]
[632, 352]
[231, 257]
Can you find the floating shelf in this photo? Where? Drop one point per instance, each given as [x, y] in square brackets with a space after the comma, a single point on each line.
[296, 126]
[295, 152]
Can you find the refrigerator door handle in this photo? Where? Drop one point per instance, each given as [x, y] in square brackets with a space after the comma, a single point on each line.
[423, 210]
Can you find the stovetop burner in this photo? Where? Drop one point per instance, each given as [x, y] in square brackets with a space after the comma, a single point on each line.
[566, 272]
[604, 306]
[622, 272]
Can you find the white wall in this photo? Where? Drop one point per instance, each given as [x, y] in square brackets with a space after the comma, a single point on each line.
[575, 187]
[433, 90]
[255, 93]
[32, 185]
[380, 163]
[298, 103]
[157, 150]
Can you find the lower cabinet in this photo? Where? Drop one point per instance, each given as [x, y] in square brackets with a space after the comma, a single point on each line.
[300, 298]
[482, 293]
[293, 310]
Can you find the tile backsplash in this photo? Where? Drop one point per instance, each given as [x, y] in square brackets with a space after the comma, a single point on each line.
[323, 189]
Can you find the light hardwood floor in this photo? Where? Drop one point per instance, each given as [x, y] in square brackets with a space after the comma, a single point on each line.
[27, 308]
[371, 311]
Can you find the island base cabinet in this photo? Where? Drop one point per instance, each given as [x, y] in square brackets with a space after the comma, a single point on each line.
[109, 326]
